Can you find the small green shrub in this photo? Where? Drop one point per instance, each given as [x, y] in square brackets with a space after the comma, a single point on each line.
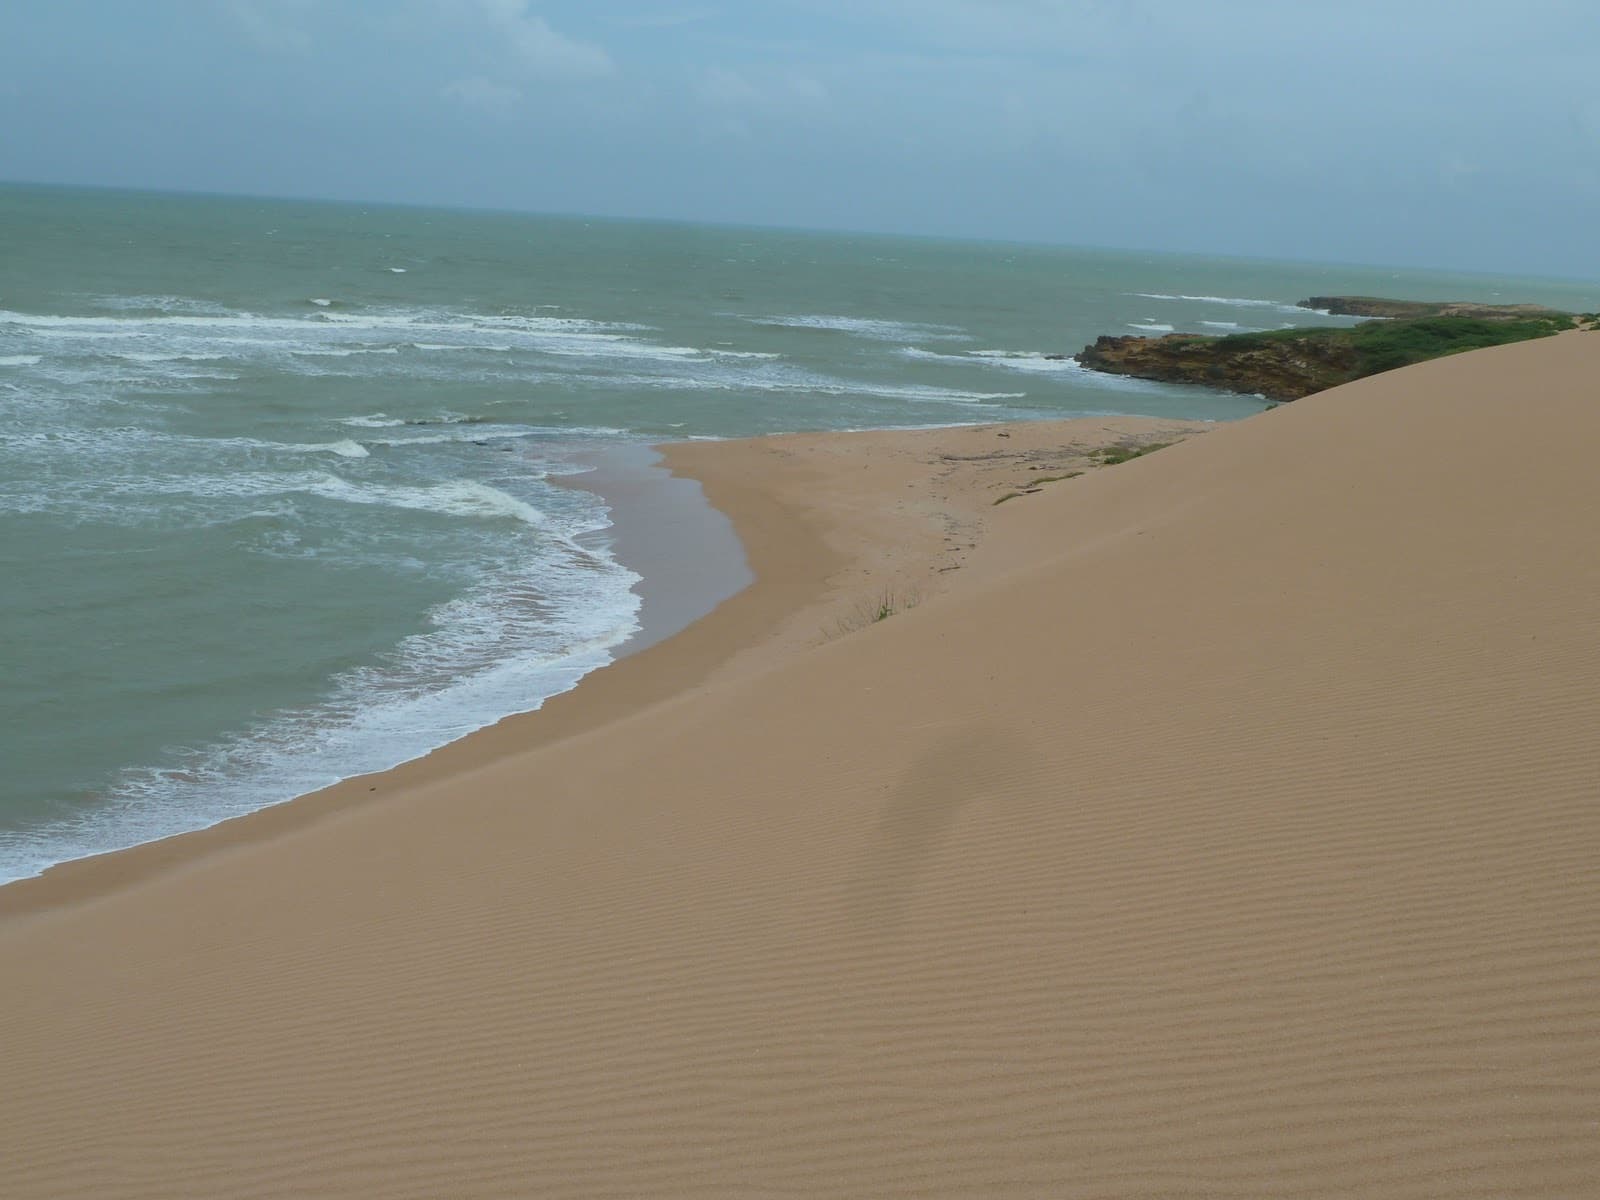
[1112, 455]
[869, 612]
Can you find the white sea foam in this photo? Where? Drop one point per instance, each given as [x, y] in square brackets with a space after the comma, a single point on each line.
[384, 420]
[1013, 360]
[779, 378]
[343, 352]
[20, 360]
[1235, 302]
[280, 341]
[344, 448]
[1027, 360]
[1062, 366]
[452, 498]
[1152, 327]
[1222, 324]
[134, 462]
[603, 345]
[474, 434]
[321, 301]
[147, 357]
[145, 324]
[481, 658]
[457, 498]
[873, 329]
[398, 270]
[922, 394]
[163, 304]
[439, 319]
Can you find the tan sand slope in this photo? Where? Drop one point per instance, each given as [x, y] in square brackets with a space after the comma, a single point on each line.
[1227, 827]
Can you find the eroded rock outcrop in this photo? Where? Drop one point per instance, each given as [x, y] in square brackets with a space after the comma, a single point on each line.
[1285, 364]
[1284, 368]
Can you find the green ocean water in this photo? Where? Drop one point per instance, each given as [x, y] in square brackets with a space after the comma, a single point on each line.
[276, 498]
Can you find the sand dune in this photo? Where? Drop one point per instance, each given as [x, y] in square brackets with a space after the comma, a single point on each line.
[1224, 825]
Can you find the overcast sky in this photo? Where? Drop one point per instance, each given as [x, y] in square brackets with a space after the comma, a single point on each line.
[1453, 133]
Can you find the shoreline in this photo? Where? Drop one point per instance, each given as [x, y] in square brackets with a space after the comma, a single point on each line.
[686, 555]
[1220, 821]
[690, 628]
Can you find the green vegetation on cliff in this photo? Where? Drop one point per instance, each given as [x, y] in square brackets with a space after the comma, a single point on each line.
[1377, 306]
[1285, 364]
[1385, 345]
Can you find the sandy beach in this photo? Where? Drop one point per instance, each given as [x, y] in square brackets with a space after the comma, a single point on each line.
[1218, 823]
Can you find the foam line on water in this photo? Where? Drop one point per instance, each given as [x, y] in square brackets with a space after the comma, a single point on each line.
[472, 668]
[1244, 302]
[803, 384]
[325, 343]
[159, 303]
[344, 448]
[1034, 363]
[875, 329]
[548, 607]
[454, 497]
[1230, 301]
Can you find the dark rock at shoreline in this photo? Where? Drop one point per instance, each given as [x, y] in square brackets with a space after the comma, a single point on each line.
[1286, 364]
[1283, 368]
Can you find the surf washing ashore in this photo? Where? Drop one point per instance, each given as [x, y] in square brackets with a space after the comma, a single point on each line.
[1214, 820]
[285, 486]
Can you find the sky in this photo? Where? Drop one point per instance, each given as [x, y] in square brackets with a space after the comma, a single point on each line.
[1459, 134]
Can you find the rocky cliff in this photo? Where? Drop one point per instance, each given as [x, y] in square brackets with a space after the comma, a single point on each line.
[1279, 369]
[1286, 364]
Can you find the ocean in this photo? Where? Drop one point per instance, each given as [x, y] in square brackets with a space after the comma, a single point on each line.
[283, 485]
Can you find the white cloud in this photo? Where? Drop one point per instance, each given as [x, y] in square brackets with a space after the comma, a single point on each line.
[271, 24]
[1456, 168]
[542, 49]
[478, 92]
[665, 20]
[723, 88]
[735, 103]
